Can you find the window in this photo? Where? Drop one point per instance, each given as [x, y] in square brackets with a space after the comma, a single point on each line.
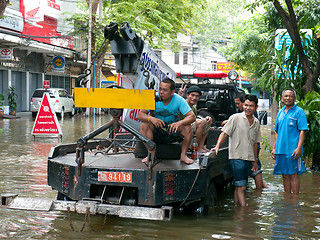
[214, 65]
[185, 56]
[176, 58]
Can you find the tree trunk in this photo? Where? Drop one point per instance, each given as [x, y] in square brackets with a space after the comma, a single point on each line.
[3, 5]
[290, 21]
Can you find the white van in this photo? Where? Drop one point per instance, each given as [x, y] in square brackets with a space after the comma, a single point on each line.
[60, 99]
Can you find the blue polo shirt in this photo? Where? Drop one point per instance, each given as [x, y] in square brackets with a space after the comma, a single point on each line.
[288, 126]
[170, 113]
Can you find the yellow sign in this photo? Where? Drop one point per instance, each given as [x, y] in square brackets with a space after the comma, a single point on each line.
[114, 98]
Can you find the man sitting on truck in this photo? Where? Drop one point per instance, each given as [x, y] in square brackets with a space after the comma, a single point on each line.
[200, 128]
[164, 126]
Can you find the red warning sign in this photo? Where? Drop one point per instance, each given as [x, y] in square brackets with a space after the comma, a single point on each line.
[46, 122]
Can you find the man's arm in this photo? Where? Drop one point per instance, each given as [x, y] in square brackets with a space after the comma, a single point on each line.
[297, 152]
[255, 152]
[220, 141]
[189, 118]
[144, 116]
[274, 145]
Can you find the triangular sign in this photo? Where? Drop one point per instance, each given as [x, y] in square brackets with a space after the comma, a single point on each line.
[46, 122]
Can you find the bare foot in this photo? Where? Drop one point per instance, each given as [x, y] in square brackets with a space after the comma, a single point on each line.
[146, 158]
[203, 150]
[186, 160]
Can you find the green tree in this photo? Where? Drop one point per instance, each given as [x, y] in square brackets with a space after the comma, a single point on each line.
[296, 14]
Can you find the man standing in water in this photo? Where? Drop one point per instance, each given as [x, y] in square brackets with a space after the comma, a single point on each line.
[257, 176]
[164, 126]
[244, 134]
[290, 128]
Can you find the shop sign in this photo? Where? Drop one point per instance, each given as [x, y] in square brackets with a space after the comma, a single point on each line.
[12, 20]
[6, 53]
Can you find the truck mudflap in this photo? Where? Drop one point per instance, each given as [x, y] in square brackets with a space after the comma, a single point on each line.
[12, 201]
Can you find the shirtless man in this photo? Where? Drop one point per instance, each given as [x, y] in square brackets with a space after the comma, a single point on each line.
[164, 126]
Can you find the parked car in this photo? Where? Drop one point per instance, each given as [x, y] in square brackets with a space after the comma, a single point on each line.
[61, 101]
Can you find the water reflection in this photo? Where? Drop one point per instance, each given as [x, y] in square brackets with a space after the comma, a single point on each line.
[269, 215]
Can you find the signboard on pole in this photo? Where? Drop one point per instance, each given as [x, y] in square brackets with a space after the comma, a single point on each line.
[58, 64]
[46, 122]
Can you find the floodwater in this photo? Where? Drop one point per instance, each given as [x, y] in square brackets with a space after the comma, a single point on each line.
[269, 214]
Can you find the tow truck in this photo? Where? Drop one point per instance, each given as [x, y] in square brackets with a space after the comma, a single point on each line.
[106, 175]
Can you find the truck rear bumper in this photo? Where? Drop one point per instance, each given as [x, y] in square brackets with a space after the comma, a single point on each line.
[12, 201]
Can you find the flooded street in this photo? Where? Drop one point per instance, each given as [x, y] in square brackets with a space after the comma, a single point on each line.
[269, 215]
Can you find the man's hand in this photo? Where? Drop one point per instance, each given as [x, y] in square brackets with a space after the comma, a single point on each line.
[182, 90]
[297, 153]
[208, 120]
[215, 149]
[254, 166]
[224, 123]
[272, 154]
[158, 123]
[173, 127]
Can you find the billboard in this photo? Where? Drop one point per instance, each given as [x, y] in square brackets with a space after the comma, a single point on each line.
[46, 18]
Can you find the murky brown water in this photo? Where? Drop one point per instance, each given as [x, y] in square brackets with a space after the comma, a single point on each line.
[269, 215]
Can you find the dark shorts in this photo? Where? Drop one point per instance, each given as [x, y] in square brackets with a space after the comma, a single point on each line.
[241, 170]
[286, 165]
[162, 135]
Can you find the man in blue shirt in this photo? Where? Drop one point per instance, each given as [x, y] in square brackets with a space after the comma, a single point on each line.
[290, 128]
[166, 116]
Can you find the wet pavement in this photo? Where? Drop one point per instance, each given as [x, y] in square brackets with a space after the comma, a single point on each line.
[269, 215]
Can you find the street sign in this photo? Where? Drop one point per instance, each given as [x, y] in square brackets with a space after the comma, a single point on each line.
[46, 122]
[46, 84]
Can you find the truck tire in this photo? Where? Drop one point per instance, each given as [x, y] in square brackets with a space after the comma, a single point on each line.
[62, 197]
[204, 113]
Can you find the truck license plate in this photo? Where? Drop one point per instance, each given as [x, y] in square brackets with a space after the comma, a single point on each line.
[125, 177]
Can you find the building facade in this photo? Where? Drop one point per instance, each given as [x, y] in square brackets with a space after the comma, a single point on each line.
[34, 47]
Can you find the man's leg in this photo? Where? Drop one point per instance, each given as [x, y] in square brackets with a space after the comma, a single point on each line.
[241, 196]
[146, 129]
[295, 183]
[286, 183]
[258, 181]
[187, 135]
[200, 137]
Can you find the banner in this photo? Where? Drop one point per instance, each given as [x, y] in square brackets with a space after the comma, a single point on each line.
[149, 77]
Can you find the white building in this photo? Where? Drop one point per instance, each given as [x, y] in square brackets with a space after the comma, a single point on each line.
[191, 57]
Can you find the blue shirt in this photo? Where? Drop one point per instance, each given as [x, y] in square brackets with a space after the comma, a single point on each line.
[288, 126]
[170, 113]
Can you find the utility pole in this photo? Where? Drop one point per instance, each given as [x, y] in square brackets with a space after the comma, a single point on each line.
[89, 49]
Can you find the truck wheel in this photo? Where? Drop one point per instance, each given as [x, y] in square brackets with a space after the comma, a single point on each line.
[204, 113]
[211, 199]
[34, 114]
[62, 197]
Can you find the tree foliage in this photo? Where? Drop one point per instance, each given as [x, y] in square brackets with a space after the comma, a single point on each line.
[267, 64]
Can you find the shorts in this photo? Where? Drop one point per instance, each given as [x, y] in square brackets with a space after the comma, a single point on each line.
[253, 174]
[206, 126]
[162, 135]
[241, 170]
[286, 165]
